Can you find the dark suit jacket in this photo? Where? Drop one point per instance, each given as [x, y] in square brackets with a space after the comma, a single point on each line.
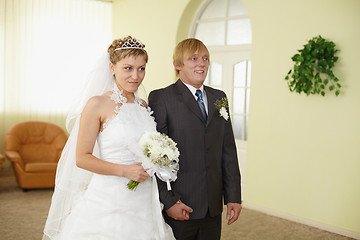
[208, 165]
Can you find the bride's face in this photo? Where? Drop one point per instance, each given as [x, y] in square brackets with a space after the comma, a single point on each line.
[129, 72]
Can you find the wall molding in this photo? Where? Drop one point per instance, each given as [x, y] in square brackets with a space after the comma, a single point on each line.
[312, 223]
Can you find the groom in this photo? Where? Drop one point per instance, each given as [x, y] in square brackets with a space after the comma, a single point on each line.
[208, 167]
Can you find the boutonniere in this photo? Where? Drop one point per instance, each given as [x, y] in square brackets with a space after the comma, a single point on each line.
[221, 105]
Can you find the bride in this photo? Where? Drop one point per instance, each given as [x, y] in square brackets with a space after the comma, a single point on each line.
[91, 199]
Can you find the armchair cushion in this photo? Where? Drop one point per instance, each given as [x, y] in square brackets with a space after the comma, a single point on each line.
[40, 167]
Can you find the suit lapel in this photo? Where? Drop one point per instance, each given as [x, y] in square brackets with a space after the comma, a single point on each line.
[188, 99]
[211, 98]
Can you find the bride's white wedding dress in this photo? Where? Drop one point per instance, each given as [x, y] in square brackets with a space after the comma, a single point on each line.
[108, 209]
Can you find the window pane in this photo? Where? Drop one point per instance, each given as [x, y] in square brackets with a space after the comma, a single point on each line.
[238, 125]
[248, 74]
[247, 100]
[240, 74]
[246, 128]
[236, 8]
[206, 82]
[239, 100]
[215, 74]
[212, 33]
[215, 9]
[239, 32]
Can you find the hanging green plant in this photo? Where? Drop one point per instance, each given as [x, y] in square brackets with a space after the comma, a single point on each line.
[312, 72]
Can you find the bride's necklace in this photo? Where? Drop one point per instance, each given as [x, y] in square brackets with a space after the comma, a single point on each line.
[117, 96]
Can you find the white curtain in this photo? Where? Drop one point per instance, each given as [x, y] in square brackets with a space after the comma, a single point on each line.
[45, 48]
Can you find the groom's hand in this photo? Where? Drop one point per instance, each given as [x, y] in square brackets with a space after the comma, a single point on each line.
[179, 211]
[236, 209]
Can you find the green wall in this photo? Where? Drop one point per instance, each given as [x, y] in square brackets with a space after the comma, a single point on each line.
[303, 155]
[155, 23]
[303, 151]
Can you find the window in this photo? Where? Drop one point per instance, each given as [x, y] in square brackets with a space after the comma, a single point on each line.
[224, 26]
[241, 97]
[47, 48]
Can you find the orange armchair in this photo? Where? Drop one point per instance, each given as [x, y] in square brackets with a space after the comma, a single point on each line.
[34, 149]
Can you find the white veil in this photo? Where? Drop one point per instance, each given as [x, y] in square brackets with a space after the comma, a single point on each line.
[71, 181]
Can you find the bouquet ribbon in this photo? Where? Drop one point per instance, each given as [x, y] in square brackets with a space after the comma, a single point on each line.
[165, 176]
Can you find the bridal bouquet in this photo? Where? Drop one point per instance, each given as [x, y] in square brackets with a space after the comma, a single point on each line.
[160, 155]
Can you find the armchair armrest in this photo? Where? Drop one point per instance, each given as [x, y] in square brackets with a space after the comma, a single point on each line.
[15, 157]
[2, 158]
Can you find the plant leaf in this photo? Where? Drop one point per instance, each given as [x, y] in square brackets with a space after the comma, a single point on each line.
[312, 63]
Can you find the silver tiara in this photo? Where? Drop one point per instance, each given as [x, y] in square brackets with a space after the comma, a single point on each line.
[131, 43]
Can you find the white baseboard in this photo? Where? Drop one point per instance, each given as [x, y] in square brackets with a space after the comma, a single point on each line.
[323, 226]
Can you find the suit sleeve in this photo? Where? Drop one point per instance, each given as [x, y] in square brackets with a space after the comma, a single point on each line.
[158, 106]
[230, 167]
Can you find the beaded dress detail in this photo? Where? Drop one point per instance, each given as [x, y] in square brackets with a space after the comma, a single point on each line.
[109, 210]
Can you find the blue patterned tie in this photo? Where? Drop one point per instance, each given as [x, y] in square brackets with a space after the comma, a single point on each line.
[201, 103]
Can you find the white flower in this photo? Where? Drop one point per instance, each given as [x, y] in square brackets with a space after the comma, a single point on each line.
[221, 105]
[161, 155]
[224, 113]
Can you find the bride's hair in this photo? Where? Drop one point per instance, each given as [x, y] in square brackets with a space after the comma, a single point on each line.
[117, 51]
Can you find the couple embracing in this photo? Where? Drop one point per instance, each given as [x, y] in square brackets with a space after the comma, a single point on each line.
[91, 200]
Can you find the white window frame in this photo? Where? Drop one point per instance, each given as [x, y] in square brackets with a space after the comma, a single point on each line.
[244, 50]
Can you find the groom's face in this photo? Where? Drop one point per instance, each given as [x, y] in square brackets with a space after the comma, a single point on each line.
[194, 69]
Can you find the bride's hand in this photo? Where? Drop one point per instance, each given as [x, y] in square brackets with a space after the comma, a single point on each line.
[136, 172]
